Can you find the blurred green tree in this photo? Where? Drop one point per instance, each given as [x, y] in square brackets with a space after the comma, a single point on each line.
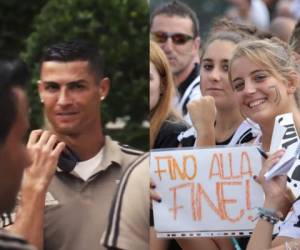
[120, 28]
[16, 23]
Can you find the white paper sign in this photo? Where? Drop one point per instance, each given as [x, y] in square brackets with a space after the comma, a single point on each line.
[285, 136]
[284, 132]
[206, 192]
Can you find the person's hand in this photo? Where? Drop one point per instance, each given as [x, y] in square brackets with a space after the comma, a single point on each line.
[44, 150]
[277, 195]
[153, 194]
[203, 113]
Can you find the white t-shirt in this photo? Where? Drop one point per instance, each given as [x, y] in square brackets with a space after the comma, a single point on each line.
[291, 225]
[85, 168]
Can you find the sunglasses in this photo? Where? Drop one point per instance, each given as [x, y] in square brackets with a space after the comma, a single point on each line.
[177, 38]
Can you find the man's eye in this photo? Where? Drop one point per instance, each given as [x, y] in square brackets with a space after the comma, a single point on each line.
[52, 87]
[76, 86]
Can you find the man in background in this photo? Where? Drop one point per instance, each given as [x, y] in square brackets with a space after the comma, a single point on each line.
[175, 27]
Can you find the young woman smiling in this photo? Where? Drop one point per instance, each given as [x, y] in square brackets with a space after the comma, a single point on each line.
[265, 80]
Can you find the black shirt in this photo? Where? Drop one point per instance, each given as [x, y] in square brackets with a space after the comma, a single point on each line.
[168, 133]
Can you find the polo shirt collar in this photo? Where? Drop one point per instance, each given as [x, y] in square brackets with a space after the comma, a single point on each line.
[186, 83]
[111, 156]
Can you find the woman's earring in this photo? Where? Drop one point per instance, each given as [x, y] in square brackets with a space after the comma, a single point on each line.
[102, 98]
[42, 101]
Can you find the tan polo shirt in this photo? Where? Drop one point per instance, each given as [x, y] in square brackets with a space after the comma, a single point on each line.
[77, 210]
[128, 226]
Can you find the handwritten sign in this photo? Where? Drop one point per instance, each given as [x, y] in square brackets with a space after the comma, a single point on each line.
[206, 192]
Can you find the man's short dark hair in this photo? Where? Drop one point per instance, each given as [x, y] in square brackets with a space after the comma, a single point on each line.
[76, 50]
[177, 8]
[13, 74]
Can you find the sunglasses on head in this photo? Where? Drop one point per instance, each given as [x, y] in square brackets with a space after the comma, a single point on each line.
[177, 38]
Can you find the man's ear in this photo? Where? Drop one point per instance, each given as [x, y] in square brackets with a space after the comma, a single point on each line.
[40, 89]
[197, 43]
[104, 87]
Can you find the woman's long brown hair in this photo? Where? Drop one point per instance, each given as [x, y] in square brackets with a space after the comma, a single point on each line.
[163, 108]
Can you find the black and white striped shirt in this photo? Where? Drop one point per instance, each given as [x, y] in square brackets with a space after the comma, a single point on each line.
[246, 132]
[9, 241]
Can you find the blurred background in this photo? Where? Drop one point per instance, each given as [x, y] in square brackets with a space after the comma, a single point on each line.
[275, 16]
[206, 10]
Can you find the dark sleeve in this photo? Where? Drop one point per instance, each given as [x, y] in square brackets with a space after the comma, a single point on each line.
[167, 136]
[188, 141]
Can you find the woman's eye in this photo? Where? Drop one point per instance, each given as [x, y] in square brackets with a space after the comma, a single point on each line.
[238, 86]
[260, 78]
[225, 67]
[207, 67]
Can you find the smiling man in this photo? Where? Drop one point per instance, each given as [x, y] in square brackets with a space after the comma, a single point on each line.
[175, 27]
[72, 87]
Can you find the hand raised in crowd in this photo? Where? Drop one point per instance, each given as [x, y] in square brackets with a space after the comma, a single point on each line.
[277, 195]
[44, 150]
[203, 112]
[203, 115]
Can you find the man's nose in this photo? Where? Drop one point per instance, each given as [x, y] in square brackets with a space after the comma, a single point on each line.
[168, 45]
[63, 97]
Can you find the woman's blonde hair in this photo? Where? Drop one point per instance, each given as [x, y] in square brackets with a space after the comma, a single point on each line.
[163, 108]
[275, 55]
